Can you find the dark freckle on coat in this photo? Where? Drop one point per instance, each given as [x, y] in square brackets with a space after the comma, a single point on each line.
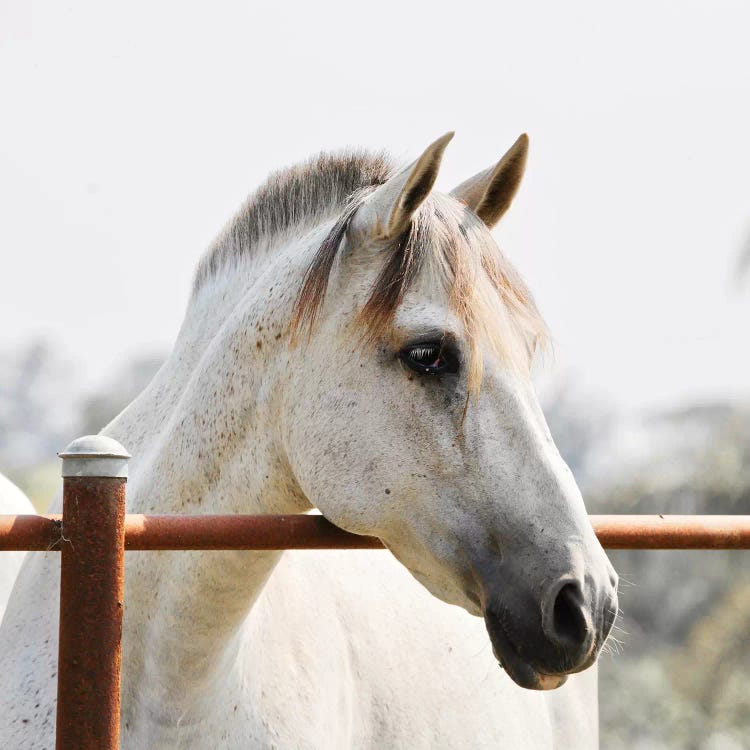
[278, 336]
[258, 344]
[387, 491]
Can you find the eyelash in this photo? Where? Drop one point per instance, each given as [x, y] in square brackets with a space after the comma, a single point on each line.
[432, 358]
[423, 352]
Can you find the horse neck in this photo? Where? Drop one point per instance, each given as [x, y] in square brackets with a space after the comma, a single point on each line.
[217, 395]
[205, 439]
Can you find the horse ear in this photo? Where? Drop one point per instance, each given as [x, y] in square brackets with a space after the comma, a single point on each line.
[490, 193]
[390, 208]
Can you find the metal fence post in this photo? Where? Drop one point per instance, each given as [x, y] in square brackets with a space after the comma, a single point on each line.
[94, 471]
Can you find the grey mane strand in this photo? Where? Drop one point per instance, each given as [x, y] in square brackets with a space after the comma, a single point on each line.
[295, 198]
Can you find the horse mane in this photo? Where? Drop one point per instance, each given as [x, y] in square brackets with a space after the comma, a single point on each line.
[295, 198]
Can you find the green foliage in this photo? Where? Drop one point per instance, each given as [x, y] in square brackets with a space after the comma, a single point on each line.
[680, 680]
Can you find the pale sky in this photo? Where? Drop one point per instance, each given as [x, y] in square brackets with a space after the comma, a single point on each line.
[130, 133]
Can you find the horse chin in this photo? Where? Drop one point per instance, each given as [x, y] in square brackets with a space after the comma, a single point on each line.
[520, 671]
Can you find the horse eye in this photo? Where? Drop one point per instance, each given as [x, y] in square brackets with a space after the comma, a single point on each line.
[429, 359]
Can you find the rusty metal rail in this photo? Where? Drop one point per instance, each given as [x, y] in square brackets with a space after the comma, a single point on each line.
[206, 532]
[93, 534]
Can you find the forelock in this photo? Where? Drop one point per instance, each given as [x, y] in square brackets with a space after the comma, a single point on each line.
[485, 292]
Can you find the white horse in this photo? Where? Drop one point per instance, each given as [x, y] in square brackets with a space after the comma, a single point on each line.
[12, 502]
[354, 343]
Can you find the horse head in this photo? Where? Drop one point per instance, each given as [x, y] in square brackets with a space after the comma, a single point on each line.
[411, 416]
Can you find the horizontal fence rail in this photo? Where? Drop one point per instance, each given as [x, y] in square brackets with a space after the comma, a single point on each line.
[237, 532]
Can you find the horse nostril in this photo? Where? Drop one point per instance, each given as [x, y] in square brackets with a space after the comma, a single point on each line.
[568, 625]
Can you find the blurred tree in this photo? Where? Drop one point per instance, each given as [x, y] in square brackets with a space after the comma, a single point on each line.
[42, 407]
[683, 667]
[577, 422]
[36, 405]
[103, 405]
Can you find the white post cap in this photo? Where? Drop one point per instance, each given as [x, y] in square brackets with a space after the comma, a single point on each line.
[94, 456]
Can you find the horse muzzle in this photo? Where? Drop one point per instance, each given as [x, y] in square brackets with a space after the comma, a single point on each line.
[540, 647]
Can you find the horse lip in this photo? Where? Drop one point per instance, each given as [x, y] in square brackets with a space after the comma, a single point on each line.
[520, 671]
